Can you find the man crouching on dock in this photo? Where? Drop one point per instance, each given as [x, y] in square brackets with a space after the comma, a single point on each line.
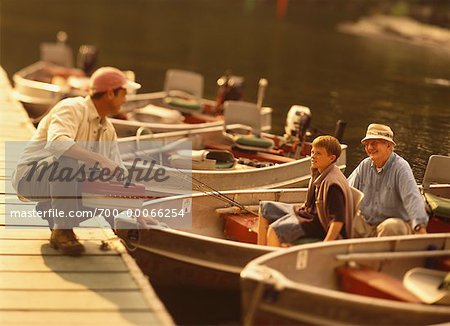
[328, 211]
[75, 132]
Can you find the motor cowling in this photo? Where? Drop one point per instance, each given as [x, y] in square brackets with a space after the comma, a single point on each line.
[298, 121]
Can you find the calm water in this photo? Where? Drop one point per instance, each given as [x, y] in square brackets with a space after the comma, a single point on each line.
[306, 60]
[357, 79]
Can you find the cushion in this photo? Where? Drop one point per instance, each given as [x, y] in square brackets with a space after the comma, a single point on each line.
[224, 159]
[253, 141]
[191, 104]
[439, 205]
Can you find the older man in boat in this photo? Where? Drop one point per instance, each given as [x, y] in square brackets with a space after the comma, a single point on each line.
[76, 132]
[328, 211]
[392, 203]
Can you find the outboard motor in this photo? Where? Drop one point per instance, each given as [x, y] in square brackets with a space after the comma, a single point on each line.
[87, 58]
[230, 89]
[340, 128]
[297, 122]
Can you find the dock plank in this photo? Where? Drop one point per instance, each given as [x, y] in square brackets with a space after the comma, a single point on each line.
[77, 318]
[12, 198]
[6, 188]
[31, 224]
[38, 263]
[8, 218]
[68, 281]
[44, 233]
[42, 247]
[76, 300]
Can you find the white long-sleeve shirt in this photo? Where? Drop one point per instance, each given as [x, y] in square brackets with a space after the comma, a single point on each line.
[71, 121]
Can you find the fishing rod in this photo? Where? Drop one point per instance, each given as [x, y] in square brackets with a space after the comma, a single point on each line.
[201, 186]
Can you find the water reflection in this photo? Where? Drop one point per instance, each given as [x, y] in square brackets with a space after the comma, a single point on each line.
[282, 6]
[306, 60]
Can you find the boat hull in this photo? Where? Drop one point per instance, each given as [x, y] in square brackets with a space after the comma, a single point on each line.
[173, 261]
[199, 256]
[128, 128]
[295, 173]
[37, 95]
[300, 285]
[193, 119]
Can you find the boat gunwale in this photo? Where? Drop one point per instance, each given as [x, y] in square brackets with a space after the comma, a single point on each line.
[349, 242]
[211, 238]
[169, 126]
[19, 78]
[186, 133]
[252, 268]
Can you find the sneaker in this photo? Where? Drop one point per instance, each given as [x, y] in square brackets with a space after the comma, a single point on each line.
[66, 241]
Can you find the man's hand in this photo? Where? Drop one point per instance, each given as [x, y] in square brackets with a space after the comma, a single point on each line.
[146, 222]
[106, 163]
[421, 230]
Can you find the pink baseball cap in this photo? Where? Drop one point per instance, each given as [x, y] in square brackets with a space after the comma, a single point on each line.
[109, 78]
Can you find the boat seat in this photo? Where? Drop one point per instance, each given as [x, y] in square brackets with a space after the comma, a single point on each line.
[184, 80]
[184, 89]
[182, 100]
[58, 53]
[431, 286]
[357, 199]
[241, 227]
[252, 142]
[248, 114]
[202, 159]
[438, 207]
[436, 171]
[368, 282]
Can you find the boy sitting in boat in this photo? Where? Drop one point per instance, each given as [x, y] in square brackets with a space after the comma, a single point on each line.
[328, 211]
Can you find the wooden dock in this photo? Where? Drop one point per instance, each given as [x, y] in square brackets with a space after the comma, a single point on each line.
[40, 286]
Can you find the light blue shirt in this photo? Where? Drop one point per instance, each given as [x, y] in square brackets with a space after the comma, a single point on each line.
[392, 192]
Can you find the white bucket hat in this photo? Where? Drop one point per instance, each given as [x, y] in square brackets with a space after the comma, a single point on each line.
[377, 131]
